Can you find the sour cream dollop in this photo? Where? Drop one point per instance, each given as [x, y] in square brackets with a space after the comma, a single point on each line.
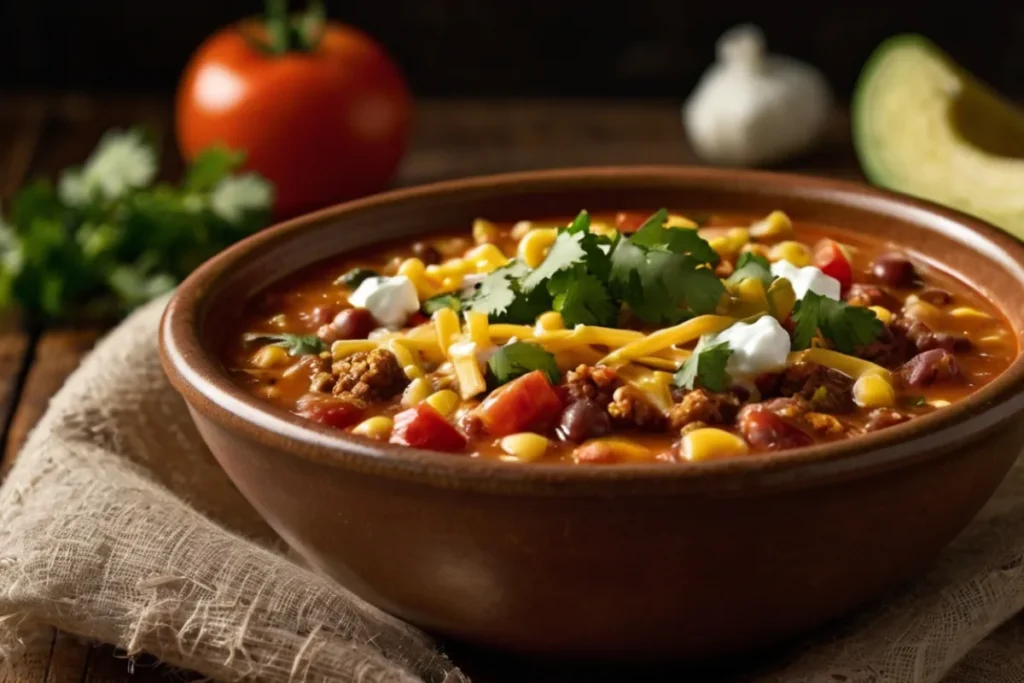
[757, 347]
[807, 279]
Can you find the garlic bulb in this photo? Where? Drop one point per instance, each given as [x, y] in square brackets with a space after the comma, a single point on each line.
[751, 108]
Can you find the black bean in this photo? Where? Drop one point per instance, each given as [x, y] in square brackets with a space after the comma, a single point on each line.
[583, 420]
[895, 270]
[426, 253]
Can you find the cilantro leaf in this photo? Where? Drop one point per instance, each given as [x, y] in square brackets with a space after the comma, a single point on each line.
[353, 278]
[749, 257]
[582, 299]
[844, 325]
[706, 367]
[915, 401]
[656, 284]
[501, 297]
[436, 303]
[654, 235]
[296, 344]
[752, 266]
[565, 253]
[520, 358]
[580, 224]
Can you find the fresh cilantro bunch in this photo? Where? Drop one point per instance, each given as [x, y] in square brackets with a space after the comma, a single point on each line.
[106, 239]
[662, 275]
[665, 275]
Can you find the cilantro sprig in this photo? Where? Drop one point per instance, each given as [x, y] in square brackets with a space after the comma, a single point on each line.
[295, 344]
[752, 266]
[661, 274]
[105, 238]
[665, 275]
[706, 367]
[846, 326]
[520, 358]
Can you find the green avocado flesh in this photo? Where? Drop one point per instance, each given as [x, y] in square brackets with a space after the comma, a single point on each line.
[925, 127]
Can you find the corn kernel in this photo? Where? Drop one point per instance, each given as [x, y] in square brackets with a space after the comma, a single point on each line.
[968, 313]
[378, 427]
[526, 446]
[882, 313]
[485, 232]
[773, 226]
[444, 401]
[676, 220]
[269, 356]
[712, 444]
[738, 238]
[781, 298]
[721, 246]
[753, 248]
[416, 392]
[550, 321]
[797, 253]
[486, 258]
[873, 391]
[533, 248]
[416, 271]
[520, 229]
[451, 283]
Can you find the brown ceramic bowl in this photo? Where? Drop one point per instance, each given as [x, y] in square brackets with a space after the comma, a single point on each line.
[689, 560]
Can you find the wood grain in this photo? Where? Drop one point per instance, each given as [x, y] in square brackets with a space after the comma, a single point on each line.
[39, 136]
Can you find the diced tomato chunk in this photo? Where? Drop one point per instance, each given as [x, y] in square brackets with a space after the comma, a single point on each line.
[424, 427]
[415, 319]
[630, 221]
[831, 259]
[524, 403]
[331, 411]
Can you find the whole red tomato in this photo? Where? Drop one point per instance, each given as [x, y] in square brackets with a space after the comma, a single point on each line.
[319, 108]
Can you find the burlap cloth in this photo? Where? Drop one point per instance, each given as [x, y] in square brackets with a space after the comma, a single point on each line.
[116, 524]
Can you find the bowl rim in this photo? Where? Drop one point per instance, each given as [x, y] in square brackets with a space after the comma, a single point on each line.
[209, 391]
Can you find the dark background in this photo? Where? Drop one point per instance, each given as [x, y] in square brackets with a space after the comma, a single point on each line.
[601, 48]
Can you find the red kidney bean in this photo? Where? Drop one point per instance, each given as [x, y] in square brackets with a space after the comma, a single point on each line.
[894, 269]
[766, 431]
[321, 315]
[583, 420]
[928, 367]
[354, 323]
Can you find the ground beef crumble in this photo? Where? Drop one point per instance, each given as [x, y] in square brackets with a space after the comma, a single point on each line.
[700, 406]
[827, 390]
[629, 407]
[367, 376]
[589, 382]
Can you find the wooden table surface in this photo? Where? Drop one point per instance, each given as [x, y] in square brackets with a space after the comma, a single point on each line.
[41, 135]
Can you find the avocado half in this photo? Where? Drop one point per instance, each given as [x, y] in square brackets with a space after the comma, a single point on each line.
[925, 127]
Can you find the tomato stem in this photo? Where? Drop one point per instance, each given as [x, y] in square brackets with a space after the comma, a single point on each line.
[300, 33]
